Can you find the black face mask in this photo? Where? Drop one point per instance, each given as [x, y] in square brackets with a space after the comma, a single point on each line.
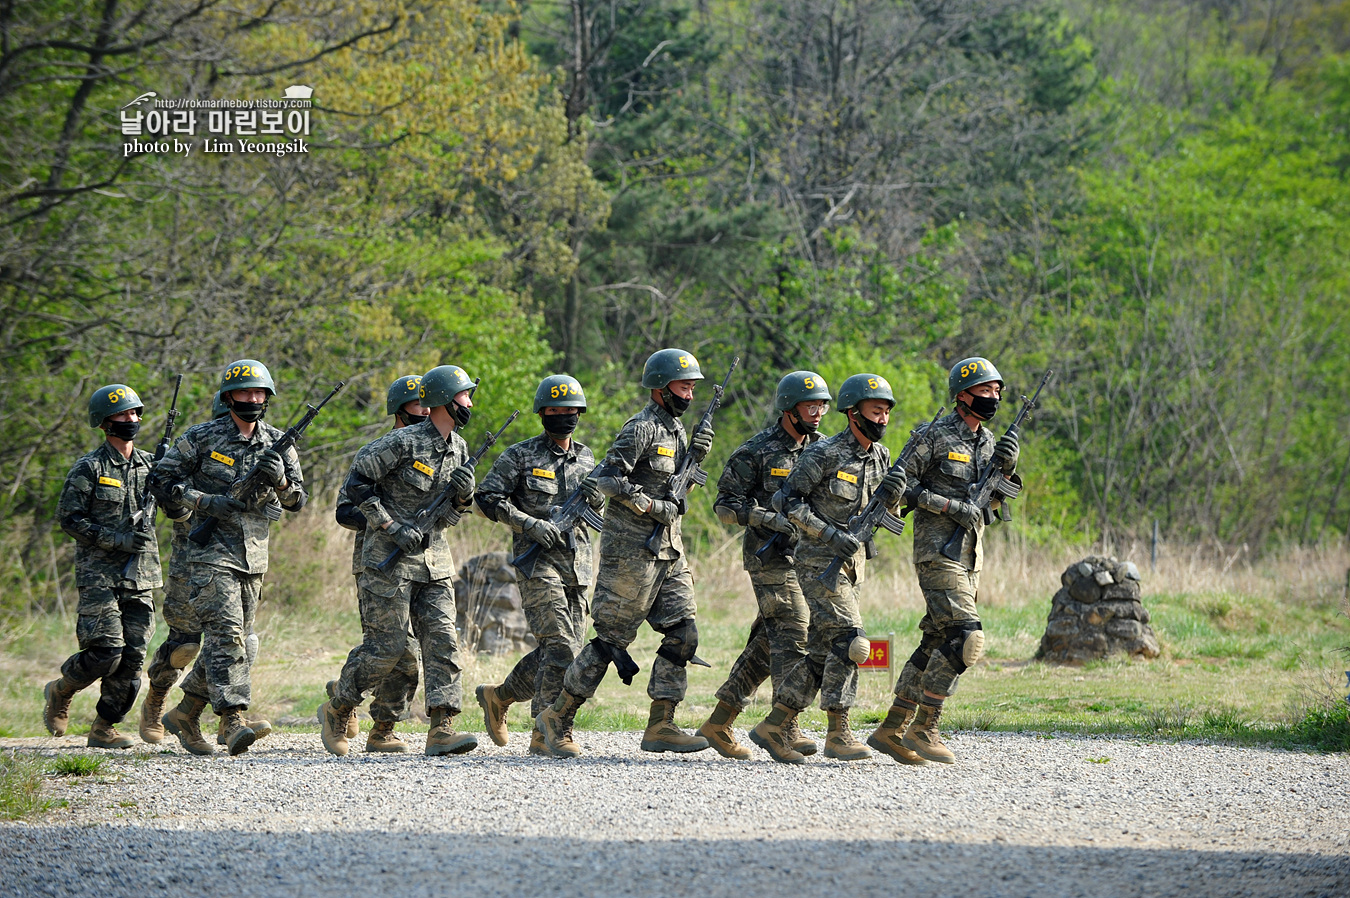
[869, 428]
[409, 419]
[123, 430]
[248, 411]
[983, 407]
[461, 414]
[676, 405]
[561, 425]
[802, 426]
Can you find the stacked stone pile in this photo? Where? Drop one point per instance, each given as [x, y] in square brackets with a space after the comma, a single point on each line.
[1096, 613]
[488, 612]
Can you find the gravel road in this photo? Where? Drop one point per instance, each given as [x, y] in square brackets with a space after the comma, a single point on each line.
[1021, 815]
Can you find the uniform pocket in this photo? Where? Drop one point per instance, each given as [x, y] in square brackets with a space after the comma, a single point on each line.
[844, 489]
[959, 470]
[541, 485]
[416, 479]
[663, 463]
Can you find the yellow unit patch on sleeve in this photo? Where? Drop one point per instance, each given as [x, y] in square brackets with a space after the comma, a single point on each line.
[223, 459]
[425, 469]
[845, 475]
[109, 481]
[958, 456]
[540, 472]
[662, 450]
[779, 472]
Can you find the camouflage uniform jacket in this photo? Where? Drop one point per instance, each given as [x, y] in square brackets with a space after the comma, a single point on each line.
[948, 457]
[755, 471]
[528, 481]
[205, 461]
[403, 471]
[100, 495]
[645, 454]
[831, 482]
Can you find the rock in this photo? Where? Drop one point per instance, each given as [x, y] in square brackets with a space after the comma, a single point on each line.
[1098, 613]
[488, 609]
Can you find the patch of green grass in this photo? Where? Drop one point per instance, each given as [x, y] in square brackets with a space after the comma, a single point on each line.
[1102, 760]
[77, 765]
[21, 786]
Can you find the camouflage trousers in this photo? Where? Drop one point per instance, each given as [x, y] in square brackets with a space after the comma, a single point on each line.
[555, 607]
[226, 603]
[631, 588]
[395, 614]
[826, 668]
[949, 593]
[184, 629]
[113, 629]
[776, 644]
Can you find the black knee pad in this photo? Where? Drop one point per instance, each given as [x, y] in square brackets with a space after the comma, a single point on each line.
[962, 644]
[846, 645]
[920, 658]
[680, 643]
[101, 661]
[623, 662]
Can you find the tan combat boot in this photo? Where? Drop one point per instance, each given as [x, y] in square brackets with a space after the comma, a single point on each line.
[353, 725]
[840, 742]
[56, 711]
[238, 735]
[381, 738]
[152, 709]
[494, 712]
[922, 736]
[261, 727]
[719, 734]
[554, 724]
[663, 735]
[442, 738]
[185, 722]
[104, 735]
[795, 737]
[335, 721]
[537, 744]
[889, 737]
[771, 735]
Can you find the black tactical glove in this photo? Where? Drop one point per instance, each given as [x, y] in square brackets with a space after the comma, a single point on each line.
[894, 483]
[463, 480]
[843, 543]
[664, 511]
[591, 490]
[964, 513]
[1006, 452]
[543, 532]
[408, 537]
[701, 443]
[130, 541]
[218, 506]
[768, 519]
[272, 469]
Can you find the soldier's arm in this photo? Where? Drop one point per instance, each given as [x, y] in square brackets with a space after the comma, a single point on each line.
[172, 474]
[734, 500]
[892, 500]
[293, 497]
[792, 499]
[629, 447]
[368, 468]
[494, 494]
[72, 511]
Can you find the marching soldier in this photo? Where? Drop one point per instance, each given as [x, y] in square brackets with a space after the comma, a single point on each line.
[632, 584]
[392, 479]
[777, 640]
[225, 574]
[948, 457]
[116, 610]
[393, 697]
[527, 482]
[830, 483]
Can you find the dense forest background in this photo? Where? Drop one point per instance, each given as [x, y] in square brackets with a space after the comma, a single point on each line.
[1150, 197]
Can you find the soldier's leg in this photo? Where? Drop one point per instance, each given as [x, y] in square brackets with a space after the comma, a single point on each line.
[840, 622]
[624, 589]
[393, 696]
[950, 593]
[672, 615]
[385, 627]
[803, 680]
[750, 669]
[184, 640]
[909, 685]
[120, 685]
[433, 615]
[218, 601]
[98, 631]
[783, 607]
[549, 608]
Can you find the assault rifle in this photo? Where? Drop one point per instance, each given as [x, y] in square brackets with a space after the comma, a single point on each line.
[576, 510]
[863, 525]
[689, 474]
[250, 488]
[144, 518]
[442, 507]
[993, 482]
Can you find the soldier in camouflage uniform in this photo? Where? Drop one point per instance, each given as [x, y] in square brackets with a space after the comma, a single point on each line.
[777, 640]
[632, 584]
[225, 575]
[116, 610]
[948, 457]
[391, 480]
[831, 482]
[394, 695]
[521, 491]
[185, 635]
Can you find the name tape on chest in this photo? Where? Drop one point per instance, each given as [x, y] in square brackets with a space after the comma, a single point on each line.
[847, 477]
[779, 472]
[223, 459]
[548, 475]
[662, 450]
[109, 481]
[425, 469]
[958, 456]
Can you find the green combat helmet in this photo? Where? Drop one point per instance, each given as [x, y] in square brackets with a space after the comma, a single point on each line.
[559, 391]
[666, 365]
[442, 384]
[969, 373]
[110, 400]
[800, 386]
[247, 374]
[864, 386]
[402, 391]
